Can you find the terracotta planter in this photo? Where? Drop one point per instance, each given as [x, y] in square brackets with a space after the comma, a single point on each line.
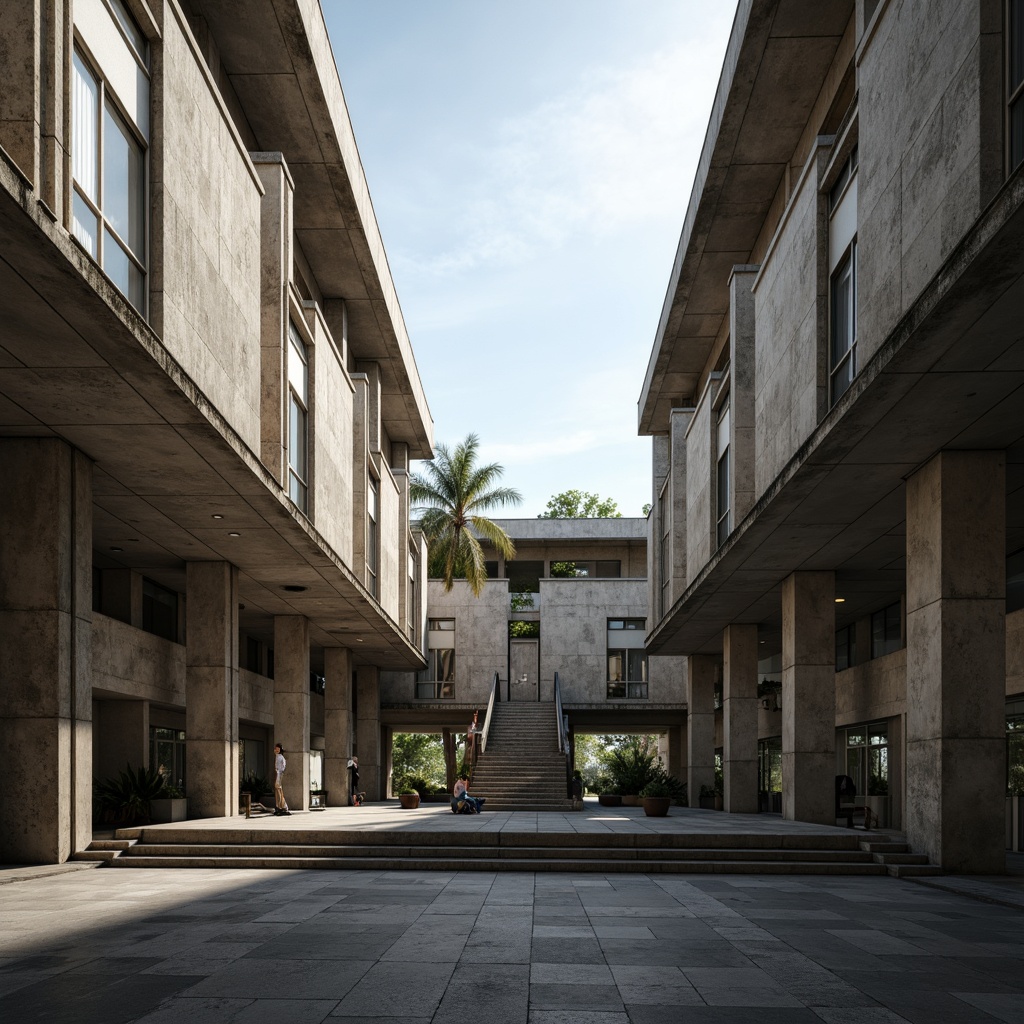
[410, 801]
[656, 806]
[609, 800]
[631, 801]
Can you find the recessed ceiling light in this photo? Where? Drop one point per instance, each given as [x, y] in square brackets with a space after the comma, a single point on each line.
[216, 515]
[233, 534]
[840, 600]
[117, 549]
[294, 588]
[359, 639]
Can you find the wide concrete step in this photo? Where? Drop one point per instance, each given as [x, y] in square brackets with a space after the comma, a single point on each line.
[914, 870]
[883, 846]
[452, 862]
[900, 858]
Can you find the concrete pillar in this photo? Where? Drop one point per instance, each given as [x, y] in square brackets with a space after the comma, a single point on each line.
[337, 723]
[291, 705]
[739, 718]
[122, 733]
[700, 724]
[45, 650]
[956, 660]
[211, 689]
[677, 752]
[809, 697]
[368, 738]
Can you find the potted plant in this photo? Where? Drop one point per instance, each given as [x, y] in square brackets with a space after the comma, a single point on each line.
[657, 798]
[258, 787]
[707, 798]
[170, 805]
[410, 799]
[632, 767]
[128, 798]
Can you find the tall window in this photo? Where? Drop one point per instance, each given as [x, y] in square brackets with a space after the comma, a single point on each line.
[846, 647]
[109, 142]
[298, 419]
[410, 601]
[372, 534]
[159, 610]
[724, 510]
[437, 682]
[627, 659]
[842, 247]
[1015, 83]
[167, 754]
[867, 758]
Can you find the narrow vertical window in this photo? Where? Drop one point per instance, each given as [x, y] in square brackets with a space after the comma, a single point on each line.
[410, 603]
[1015, 83]
[724, 507]
[664, 552]
[372, 536]
[298, 420]
[842, 250]
[109, 144]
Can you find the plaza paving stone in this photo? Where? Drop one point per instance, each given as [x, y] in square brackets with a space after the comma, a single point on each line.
[294, 947]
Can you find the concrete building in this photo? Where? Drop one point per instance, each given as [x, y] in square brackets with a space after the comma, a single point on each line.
[208, 405]
[835, 396]
[573, 602]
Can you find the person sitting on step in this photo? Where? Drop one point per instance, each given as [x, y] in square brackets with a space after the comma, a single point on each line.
[462, 802]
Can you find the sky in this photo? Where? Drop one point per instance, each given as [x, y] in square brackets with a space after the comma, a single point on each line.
[530, 164]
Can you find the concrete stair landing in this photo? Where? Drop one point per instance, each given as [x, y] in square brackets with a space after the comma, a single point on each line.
[522, 769]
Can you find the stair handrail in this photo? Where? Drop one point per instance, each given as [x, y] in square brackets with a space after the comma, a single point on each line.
[487, 717]
[563, 736]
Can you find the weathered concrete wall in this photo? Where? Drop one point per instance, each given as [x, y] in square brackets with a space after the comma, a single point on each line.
[1015, 653]
[791, 309]
[392, 546]
[699, 439]
[255, 697]
[205, 277]
[331, 436]
[133, 663]
[922, 77]
[872, 690]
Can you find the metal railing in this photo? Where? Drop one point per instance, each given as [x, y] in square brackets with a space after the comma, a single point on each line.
[564, 747]
[487, 717]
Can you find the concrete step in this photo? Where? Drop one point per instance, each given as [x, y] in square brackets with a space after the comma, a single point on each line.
[914, 870]
[900, 858]
[450, 862]
[883, 846]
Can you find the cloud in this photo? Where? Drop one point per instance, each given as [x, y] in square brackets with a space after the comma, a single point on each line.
[615, 152]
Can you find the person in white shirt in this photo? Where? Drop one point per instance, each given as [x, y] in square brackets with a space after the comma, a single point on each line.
[280, 764]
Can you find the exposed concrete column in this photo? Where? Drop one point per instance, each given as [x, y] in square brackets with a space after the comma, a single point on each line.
[368, 740]
[677, 752]
[739, 718]
[45, 650]
[956, 660]
[291, 705]
[700, 724]
[337, 723]
[211, 689]
[809, 697]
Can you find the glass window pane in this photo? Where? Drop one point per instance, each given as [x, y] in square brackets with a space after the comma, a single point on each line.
[83, 225]
[124, 180]
[297, 491]
[131, 28]
[637, 666]
[723, 430]
[1016, 43]
[842, 303]
[298, 370]
[297, 437]
[116, 262]
[616, 666]
[85, 124]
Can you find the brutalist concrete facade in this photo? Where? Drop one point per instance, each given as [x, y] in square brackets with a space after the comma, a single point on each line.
[834, 396]
[208, 406]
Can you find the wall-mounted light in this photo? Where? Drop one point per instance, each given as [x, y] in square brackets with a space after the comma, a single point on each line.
[216, 515]
[840, 600]
[233, 534]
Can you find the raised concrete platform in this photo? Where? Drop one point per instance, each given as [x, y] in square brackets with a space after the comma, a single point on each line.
[597, 839]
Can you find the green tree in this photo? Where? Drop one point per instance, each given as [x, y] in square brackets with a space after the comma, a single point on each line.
[449, 498]
[417, 762]
[580, 505]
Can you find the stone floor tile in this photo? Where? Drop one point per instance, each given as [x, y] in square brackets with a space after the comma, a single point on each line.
[258, 979]
[1007, 1008]
[195, 1011]
[658, 1014]
[566, 974]
[721, 986]
[397, 990]
[575, 997]
[566, 951]
[577, 1017]
[497, 993]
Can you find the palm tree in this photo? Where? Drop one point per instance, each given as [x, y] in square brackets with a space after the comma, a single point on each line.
[450, 497]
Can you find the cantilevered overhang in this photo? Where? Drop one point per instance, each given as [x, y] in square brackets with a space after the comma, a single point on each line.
[278, 58]
[778, 56]
[77, 362]
[950, 376]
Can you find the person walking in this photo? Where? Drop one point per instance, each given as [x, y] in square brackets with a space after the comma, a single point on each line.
[280, 764]
[353, 780]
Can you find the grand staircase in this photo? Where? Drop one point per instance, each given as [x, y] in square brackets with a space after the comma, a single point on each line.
[522, 769]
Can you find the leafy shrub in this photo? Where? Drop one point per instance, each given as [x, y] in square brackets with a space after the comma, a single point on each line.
[127, 797]
[634, 765]
[255, 784]
[657, 788]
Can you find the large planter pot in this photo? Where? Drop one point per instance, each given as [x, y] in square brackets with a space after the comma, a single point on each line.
[410, 801]
[707, 803]
[719, 802]
[161, 811]
[656, 806]
[630, 801]
[609, 800]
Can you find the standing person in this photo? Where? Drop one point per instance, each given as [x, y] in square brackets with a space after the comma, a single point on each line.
[473, 738]
[280, 764]
[353, 776]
